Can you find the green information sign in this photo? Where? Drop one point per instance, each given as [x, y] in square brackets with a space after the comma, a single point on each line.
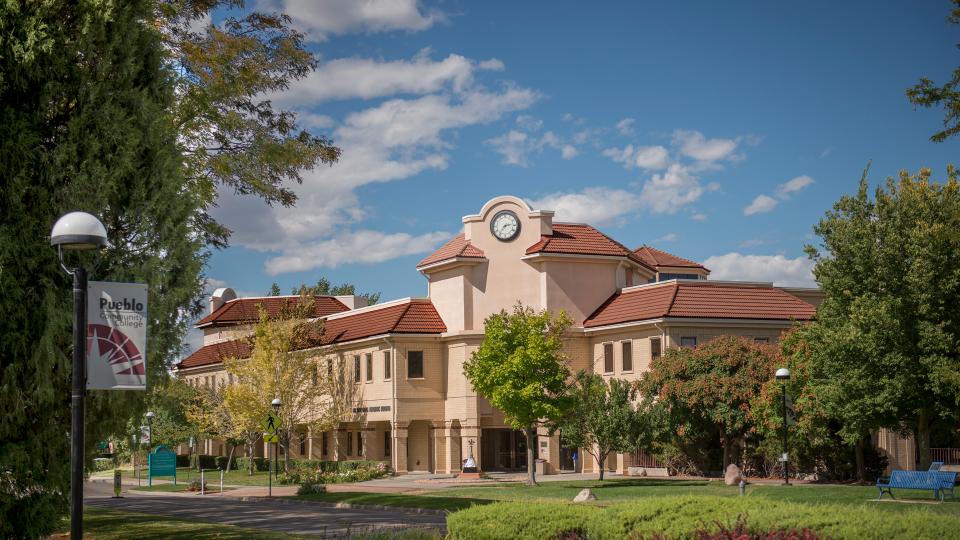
[162, 462]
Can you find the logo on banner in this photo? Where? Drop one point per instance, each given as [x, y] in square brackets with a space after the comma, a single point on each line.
[116, 336]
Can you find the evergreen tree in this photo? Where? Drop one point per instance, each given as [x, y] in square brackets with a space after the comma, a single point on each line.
[84, 125]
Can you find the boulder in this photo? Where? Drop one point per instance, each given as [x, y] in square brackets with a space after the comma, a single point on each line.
[732, 476]
[585, 495]
[636, 471]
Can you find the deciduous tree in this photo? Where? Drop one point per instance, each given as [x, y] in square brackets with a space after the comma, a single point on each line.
[521, 369]
[928, 94]
[601, 418]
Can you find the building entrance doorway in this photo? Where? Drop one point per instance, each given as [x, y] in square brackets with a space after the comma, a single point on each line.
[566, 457]
[503, 450]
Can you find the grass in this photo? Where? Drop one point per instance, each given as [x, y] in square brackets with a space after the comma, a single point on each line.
[103, 524]
[180, 486]
[622, 490]
[232, 478]
[436, 501]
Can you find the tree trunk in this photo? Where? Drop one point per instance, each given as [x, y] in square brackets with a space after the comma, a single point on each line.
[230, 457]
[531, 448]
[861, 462]
[286, 453]
[250, 455]
[727, 451]
[602, 462]
[923, 440]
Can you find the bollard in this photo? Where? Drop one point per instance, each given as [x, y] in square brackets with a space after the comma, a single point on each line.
[201, 481]
[743, 487]
[221, 481]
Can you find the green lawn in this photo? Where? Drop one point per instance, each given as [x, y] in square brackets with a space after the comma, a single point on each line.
[435, 501]
[622, 490]
[236, 478]
[103, 524]
[180, 486]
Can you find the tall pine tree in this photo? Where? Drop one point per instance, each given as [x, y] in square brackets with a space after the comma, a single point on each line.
[85, 95]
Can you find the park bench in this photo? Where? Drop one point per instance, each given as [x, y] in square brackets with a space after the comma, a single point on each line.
[939, 482]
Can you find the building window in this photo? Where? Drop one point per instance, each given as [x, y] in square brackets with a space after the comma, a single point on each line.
[323, 444]
[369, 367]
[386, 444]
[626, 359]
[349, 443]
[303, 444]
[356, 368]
[688, 341]
[654, 348]
[415, 364]
[329, 368]
[386, 365]
[762, 340]
[359, 444]
[608, 357]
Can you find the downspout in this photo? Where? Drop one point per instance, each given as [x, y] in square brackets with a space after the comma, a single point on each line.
[663, 338]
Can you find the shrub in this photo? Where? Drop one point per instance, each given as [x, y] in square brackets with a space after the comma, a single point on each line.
[693, 517]
[102, 464]
[183, 460]
[312, 486]
[222, 461]
[259, 463]
[195, 485]
[205, 461]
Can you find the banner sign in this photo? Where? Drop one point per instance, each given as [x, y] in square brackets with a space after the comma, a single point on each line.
[116, 336]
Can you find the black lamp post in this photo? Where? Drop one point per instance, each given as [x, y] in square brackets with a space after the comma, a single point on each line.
[783, 374]
[276, 408]
[77, 231]
[149, 417]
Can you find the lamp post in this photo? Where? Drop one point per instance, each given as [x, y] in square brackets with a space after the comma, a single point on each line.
[276, 408]
[149, 417]
[783, 374]
[77, 231]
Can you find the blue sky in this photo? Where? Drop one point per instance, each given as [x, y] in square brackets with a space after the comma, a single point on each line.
[719, 131]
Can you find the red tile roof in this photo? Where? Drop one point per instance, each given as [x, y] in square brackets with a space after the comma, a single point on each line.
[579, 239]
[458, 246]
[700, 299]
[216, 353]
[247, 310]
[656, 257]
[415, 316]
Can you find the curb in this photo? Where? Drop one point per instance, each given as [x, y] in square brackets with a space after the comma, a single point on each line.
[345, 505]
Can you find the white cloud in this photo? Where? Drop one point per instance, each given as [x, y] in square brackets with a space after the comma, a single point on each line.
[644, 157]
[492, 64]
[516, 147]
[760, 204]
[366, 78]
[694, 145]
[625, 126]
[670, 237]
[593, 205]
[362, 246]
[319, 20]
[792, 186]
[676, 187]
[766, 203]
[780, 270]
[529, 123]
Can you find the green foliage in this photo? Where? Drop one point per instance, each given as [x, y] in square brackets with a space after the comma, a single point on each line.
[312, 486]
[927, 94]
[84, 125]
[601, 418]
[205, 461]
[232, 138]
[102, 464]
[681, 517]
[709, 388]
[325, 288]
[259, 464]
[520, 368]
[885, 348]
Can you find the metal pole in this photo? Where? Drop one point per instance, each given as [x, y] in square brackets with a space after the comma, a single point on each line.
[76, 400]
[201, 481]
[786, 462]
[270, 471]
[221, 481]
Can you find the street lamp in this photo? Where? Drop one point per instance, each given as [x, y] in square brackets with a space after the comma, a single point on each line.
[276, 408]
[150, 417]
[77, 231]
[783, 374]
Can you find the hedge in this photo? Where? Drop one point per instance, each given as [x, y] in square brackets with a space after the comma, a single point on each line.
[259, 463]
[679, 517]
[183, 460]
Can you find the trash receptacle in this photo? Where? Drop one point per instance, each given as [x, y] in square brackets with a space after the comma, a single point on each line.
[539, 466]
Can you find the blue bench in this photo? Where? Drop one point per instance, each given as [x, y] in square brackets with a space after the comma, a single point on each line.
[939, 482]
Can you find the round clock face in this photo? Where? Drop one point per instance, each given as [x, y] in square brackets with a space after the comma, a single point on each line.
[505, 225]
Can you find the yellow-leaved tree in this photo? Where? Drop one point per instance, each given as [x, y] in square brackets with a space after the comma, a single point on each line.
[288, 362]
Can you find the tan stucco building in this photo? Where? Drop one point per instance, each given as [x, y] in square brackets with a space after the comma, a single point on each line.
[414, 406]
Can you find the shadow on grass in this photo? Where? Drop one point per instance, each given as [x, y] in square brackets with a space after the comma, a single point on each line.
[451, 504]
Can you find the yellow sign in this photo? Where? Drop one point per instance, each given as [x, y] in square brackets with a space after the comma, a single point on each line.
[270, 437]
[271, 424]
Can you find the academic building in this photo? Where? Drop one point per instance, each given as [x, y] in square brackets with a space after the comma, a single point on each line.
[414, 406]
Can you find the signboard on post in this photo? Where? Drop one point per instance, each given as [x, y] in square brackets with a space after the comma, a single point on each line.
[162, 462]
[271, 424]
[116, 336]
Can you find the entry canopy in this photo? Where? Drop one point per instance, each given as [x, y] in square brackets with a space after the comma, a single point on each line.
[78, 230]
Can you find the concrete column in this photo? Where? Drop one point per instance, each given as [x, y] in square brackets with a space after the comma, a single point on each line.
[624, 462]
[309, 442]
[399, 448]
[335, 451]
[452, 449]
